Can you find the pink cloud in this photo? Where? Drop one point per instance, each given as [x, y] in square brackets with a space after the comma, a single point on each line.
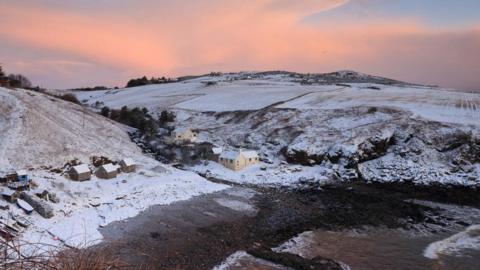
[173, 39]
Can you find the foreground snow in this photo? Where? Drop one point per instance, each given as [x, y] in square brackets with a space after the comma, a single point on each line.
[86, 206]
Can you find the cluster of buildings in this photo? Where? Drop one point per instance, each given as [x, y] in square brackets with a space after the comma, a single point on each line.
[235, 160]
[82, 172]
[14, 183]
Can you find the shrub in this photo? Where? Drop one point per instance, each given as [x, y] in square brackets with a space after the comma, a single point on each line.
[70, 98]
[105, 111]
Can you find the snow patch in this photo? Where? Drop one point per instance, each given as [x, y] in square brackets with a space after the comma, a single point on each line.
[468, 239]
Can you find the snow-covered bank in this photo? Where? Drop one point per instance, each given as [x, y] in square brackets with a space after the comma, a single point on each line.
[266, 174]
[468, 239]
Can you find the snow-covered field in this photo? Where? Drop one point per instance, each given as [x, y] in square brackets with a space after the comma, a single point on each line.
[39, 132]
[282, 91]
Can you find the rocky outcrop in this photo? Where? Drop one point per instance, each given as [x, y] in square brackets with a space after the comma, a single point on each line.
[350, 155]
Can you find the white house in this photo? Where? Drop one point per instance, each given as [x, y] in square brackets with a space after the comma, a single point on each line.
[238, 159]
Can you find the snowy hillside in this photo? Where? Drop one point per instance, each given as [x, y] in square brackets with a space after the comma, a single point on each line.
[39, 130]
[339, 125]
[253, 91]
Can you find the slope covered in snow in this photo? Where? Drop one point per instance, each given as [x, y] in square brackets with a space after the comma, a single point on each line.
[347, 125]
[39, 130]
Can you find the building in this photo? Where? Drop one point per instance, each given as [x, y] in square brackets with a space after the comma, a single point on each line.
[19, 186]
[9, 195]
[238, 160]
[214, 154]
[4, 81]
[183, 134]
[128, 165]
[22, 175]
[80, 173]
[107, 171]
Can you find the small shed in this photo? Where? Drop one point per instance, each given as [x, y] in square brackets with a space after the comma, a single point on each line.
[9, 195]
[80, 173]
[19, 186]
[22, 175]
[11, 177]
[107, 171]
[128, 165]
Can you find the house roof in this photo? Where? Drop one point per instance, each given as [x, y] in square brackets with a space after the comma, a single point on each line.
[21, 172]
[230, 154]
[128, 161]
[83, 168]
[217, 150]
[250, 154]
[24, 205]
[109, 167]
[182, 130]
[8, 192]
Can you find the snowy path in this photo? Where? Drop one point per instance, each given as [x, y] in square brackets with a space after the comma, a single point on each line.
[10, 124]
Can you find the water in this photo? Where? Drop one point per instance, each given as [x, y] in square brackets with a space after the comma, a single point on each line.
[380, 249]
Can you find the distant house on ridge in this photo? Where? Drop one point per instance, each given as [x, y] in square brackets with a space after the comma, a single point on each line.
[4, 81]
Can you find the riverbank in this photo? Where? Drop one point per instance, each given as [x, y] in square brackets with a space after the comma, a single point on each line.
[200, 233]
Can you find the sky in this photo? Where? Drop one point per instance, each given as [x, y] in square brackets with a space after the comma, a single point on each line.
[80, 43]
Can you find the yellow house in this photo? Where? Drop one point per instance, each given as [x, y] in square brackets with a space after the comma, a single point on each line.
[183, 134]
[238, 160]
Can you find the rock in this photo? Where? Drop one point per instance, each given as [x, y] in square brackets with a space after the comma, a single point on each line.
[44, 209]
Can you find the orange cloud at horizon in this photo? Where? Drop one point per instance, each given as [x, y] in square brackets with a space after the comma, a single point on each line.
[232, 36]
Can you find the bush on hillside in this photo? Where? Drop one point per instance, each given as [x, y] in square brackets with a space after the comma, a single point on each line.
[70, 98]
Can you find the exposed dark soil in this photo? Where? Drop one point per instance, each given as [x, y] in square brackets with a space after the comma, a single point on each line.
[199, 233]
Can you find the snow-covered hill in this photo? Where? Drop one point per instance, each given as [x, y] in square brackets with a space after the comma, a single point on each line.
[253, 91]
[341, 124]
[39, 130]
